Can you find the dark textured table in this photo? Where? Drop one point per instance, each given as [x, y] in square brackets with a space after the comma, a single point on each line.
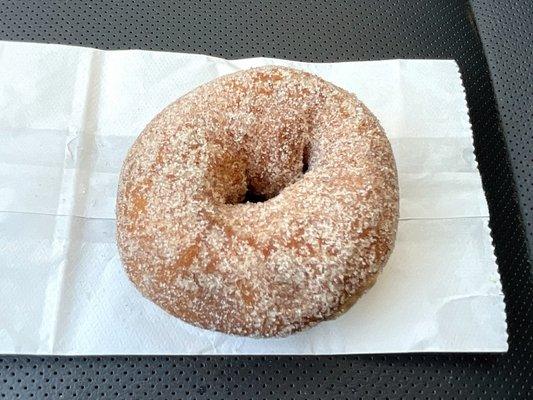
[493, 43]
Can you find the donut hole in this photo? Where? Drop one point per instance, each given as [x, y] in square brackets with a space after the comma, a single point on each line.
[251, 196]
[305, 167]
[305, 159]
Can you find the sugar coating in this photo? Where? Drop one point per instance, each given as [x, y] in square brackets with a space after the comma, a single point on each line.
[191, 244]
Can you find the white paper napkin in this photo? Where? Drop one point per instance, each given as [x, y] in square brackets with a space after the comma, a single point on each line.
[67, 118]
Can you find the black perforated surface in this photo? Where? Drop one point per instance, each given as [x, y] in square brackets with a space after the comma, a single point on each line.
[508, 42]
[322, 30]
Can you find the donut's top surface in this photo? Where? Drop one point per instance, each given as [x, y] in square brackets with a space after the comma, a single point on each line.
[314, 155]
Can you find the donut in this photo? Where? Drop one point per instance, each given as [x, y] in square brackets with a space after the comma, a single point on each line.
[258, 204]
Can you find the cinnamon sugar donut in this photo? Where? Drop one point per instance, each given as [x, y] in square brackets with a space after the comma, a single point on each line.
[258, 204]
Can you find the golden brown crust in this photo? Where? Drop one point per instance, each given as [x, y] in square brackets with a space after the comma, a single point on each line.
[269, 268]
